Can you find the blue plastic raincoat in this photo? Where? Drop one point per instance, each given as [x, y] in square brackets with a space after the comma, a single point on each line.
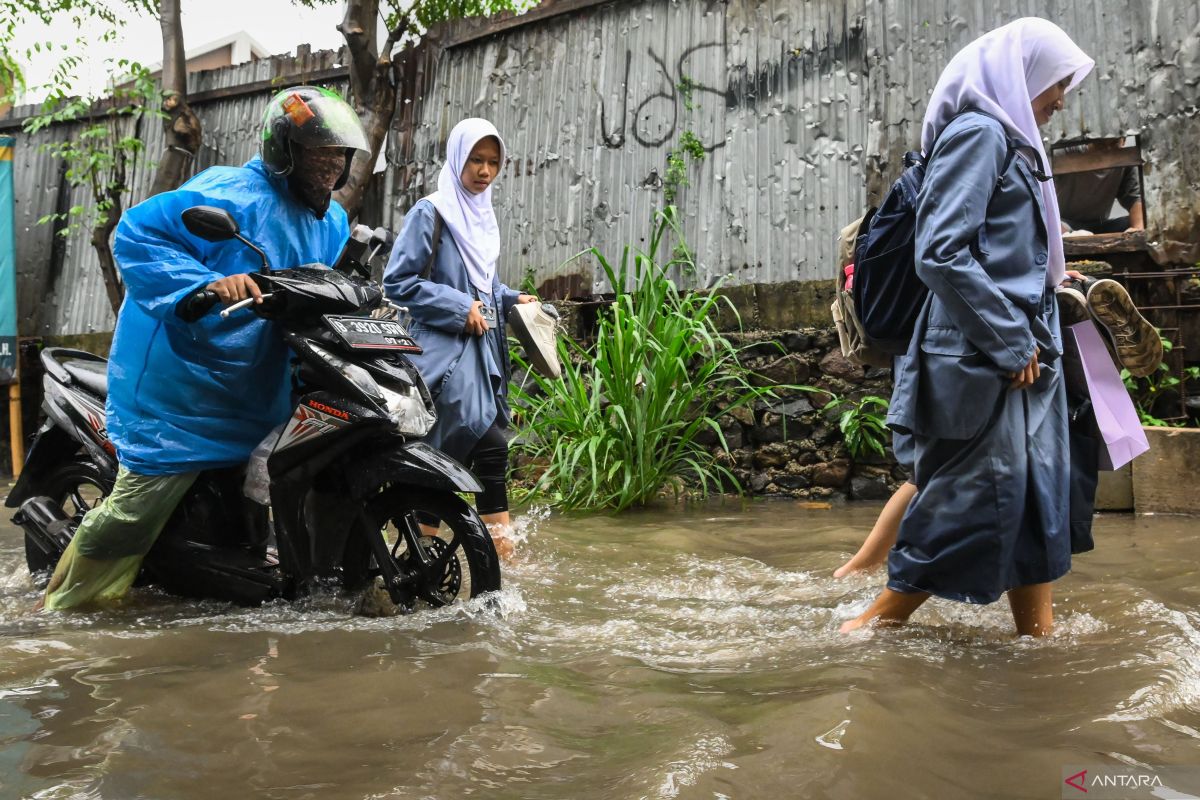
[186, 397]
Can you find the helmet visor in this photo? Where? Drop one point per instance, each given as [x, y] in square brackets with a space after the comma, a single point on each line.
[319, 118]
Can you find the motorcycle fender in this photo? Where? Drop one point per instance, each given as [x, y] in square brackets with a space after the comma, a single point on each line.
[51, 447]
[418, 464]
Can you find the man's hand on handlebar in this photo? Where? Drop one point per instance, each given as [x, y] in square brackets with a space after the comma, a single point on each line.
[235, 288]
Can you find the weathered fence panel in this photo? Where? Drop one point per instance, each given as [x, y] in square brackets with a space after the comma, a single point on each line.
[803, 109]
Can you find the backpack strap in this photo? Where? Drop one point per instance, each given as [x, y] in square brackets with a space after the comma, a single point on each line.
[437, 238]
[1008, 155]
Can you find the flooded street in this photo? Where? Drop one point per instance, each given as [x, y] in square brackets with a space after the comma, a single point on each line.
[688, 654]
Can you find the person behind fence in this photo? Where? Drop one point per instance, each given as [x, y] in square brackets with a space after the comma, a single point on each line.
[187, 397]
[443, 269]
[1086, 198]
[980, 389]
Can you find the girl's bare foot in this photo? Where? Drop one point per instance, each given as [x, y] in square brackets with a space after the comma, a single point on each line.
[1032, 609]
[883, 536]
[503, 542]
[891, 607]
[867, 557]
[499, 525]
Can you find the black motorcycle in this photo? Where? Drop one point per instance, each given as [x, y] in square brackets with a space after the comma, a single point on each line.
[350, 482]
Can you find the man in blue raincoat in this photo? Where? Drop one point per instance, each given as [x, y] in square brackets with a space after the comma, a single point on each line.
[187, 397]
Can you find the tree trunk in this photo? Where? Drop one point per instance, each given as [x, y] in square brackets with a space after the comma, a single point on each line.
[376, 117]
[181, 127]
[372, 92]
[102, 243]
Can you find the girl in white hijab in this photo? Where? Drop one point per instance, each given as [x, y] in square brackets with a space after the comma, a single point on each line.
[1014, 74]
[979, 390]
[443, 268]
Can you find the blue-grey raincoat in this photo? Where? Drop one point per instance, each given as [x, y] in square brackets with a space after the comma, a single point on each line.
[185, 397]
[467, 375]
[991, 464]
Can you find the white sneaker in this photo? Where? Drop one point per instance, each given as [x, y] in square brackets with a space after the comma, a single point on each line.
[536, 330]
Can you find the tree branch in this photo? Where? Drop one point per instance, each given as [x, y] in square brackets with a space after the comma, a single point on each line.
[403, 27]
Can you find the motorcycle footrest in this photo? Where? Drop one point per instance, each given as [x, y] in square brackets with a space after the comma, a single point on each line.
[45, 523]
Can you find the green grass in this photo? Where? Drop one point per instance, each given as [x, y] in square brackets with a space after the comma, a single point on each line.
[621, 425]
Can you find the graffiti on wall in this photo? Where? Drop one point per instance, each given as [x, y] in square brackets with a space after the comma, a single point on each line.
[655, 116]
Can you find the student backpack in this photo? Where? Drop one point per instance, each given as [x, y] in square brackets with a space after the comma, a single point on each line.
[879, 310]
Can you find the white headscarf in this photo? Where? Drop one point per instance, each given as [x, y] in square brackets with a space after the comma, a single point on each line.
[1000, 73]
[469, 216]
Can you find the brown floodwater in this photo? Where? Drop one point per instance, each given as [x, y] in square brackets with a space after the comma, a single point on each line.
[668, 654]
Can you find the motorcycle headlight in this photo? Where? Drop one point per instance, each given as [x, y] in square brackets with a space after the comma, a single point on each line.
[408, 411]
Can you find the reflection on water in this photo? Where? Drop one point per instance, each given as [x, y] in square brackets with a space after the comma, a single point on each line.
[684, 654]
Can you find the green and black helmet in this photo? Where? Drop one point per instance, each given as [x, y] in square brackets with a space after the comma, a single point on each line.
[308, 116]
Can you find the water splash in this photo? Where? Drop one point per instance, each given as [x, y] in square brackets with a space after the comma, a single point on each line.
[703, 755]
[1174, 652]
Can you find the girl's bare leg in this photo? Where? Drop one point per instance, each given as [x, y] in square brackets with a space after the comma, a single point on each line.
[500, 526]
[883, 536]
[1032, 609]
[890, 607]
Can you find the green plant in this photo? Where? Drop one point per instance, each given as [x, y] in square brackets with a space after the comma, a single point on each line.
[688, 146]
[676, 176]
[686, 87]
[1146, 392]
[528, 284]
[100, 156]
[862, 423]
[622, 424]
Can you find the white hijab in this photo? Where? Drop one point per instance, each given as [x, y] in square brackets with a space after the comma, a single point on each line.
[1000, 73]
[469, 216]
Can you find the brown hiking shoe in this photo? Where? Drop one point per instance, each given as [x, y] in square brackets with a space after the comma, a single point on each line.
[1136, 342]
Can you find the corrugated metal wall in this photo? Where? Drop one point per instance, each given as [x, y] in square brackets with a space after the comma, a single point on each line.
[65, 294]
[803, 108]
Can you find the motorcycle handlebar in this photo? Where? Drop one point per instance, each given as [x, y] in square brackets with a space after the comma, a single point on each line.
[238, 306]
[197, 305]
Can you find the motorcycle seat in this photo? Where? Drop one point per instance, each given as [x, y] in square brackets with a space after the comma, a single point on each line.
[88, 376]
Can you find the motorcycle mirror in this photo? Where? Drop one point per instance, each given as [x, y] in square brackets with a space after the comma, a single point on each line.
[210, 223]
[217, 225]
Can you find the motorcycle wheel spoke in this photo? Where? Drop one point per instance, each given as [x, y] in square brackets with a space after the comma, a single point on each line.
[81, 505]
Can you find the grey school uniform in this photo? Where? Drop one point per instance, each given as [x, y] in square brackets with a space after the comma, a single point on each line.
[467, 375]
[991, 464]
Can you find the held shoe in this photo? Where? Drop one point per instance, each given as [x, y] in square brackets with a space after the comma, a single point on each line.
[535, 327]
[1136, 342]
[1072, 306]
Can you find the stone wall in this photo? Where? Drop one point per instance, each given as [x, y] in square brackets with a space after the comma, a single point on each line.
[792, 446]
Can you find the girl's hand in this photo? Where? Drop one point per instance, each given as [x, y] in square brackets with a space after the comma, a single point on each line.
[526, 298]
[476, 324]
[1029, 374]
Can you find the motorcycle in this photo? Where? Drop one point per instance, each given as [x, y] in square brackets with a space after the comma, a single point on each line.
[350, 481]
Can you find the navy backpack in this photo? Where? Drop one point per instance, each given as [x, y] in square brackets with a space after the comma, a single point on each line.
[887, 293]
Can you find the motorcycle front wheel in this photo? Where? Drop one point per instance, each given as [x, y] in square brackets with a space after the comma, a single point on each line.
[392, 549]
